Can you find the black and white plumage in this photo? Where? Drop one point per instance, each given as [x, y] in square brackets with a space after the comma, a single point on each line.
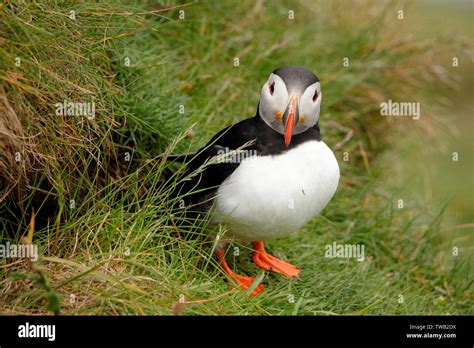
[284, 184]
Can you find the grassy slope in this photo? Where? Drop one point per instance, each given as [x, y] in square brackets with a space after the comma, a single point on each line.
[127, 257]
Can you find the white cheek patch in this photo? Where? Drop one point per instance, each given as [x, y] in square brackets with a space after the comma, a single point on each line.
[278, 99]
[271, 104]
[308, 107]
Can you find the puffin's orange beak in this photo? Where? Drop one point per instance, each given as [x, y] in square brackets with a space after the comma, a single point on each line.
[290, 118]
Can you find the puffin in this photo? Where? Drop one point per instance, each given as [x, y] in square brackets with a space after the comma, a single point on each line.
[266, 176]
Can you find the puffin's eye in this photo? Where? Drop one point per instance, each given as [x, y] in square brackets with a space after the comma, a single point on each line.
[272, 88]
[315, 96]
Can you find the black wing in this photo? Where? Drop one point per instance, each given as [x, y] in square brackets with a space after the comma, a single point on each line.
[208, 180]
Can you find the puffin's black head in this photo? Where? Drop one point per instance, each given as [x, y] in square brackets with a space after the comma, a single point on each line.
[290, 100]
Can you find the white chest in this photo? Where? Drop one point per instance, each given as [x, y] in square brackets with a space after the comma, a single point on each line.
[271, 196]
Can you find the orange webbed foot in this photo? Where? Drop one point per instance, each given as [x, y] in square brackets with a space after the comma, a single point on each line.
[243, 282]
[271, 263]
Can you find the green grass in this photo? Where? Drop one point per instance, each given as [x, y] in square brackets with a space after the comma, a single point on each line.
[121, 250]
